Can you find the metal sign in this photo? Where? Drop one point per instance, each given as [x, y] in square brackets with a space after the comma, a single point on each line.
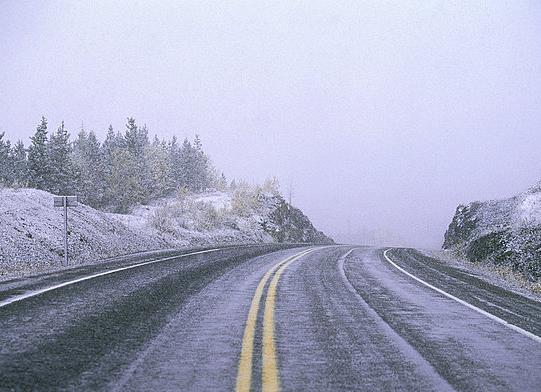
[71, 201]
[65, 201]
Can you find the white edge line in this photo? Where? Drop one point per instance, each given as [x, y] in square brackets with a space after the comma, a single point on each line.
[64, 284]
[439, 382]
[473, 307]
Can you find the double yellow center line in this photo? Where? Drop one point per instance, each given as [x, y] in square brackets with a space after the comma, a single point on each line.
[270, 379]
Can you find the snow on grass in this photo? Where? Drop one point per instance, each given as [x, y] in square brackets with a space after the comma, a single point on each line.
[31, 233]
[220, 200]
[31, 229]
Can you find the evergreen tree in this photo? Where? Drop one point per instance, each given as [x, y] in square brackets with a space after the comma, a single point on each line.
[131, 134]
[62, 172]
[110, 140]
[175, 163]
[202, 175]
[186, 165]
[38, 158]
[161, 179]
[6, 163]
[221, 183]
[123, 185]
[111, 143]
[198, 145]
[136, 141]
[194, 166]
[20, 164]
[126, 169]
[136, 138]
[143, 164]
[89, 161]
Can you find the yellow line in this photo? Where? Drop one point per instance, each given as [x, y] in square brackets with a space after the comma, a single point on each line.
[244, 375]
[270, 379]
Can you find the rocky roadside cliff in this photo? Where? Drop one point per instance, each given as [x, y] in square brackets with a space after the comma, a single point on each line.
[500, 232]
[286, 223]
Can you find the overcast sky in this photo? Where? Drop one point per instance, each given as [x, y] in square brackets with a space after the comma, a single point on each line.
[382, 115]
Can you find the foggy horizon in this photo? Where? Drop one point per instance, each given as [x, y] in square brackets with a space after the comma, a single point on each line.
[382, 118]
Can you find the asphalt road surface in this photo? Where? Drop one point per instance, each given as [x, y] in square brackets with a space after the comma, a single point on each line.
[268, 318]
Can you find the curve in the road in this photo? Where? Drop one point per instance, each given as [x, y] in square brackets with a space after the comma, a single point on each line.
[34, 293]
[467, 304]
[424, 366]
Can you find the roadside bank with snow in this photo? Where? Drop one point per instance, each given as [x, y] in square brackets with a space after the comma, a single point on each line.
[31, 229]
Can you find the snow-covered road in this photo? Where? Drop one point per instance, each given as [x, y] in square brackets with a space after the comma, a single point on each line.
[308, 318]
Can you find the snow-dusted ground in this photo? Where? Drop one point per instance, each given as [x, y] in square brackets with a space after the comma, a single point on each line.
[195, 219]
[31, 229]
[529, 210]
[499, 276]
[31, 233]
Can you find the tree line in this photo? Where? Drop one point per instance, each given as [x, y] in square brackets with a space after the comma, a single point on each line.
[123, 170]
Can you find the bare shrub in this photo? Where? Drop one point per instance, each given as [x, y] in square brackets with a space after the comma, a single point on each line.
[183, 199]
[207, 217]
[271, 187]
[244, 200]
[161, 219]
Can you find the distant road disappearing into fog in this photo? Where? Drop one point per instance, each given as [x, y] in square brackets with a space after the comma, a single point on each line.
[268, 317]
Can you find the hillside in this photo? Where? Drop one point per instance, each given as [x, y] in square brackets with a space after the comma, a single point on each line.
[31, 229]
[502, 232]
[31, 233]
[246, 214]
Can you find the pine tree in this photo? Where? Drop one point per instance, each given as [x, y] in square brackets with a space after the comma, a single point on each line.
[111, 143]
[222, 182]
[126, 169]
[6, 163]
[38, 158]
[110, 140]
[202, 175]
[143, 165]
[174, 163]
[62, 172]
[123, 185]
[186, 165]
[95, 165]
[194, 165]
[89, 160]
[137, 144]
[160, 171]
[136, 138]
[198, 145]
[20, 164]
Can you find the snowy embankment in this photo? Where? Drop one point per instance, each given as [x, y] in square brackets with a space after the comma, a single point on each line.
[195, 219]
[31, 233]
[31, 229]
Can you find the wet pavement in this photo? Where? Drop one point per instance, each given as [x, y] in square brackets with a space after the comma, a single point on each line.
[252, 318]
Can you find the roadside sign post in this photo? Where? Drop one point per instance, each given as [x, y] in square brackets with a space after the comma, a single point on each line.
[65, 202]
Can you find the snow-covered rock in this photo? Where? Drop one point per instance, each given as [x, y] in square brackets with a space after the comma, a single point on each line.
[504, 232]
